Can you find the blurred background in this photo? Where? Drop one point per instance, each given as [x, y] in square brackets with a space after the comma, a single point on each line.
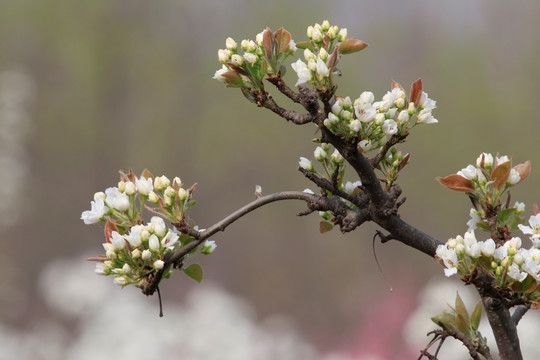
[91, 87]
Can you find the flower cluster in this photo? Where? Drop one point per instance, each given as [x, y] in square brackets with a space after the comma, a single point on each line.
[488, 180]
[372, 122]
[134, 251]
[264, 56]
[511, 265]
[322, 52]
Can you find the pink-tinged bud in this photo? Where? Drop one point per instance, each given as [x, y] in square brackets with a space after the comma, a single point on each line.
[350, 46]
[457, 183]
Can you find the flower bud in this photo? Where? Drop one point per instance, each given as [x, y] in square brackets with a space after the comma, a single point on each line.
[325, 26]
[320, 154]
[364, 145]
[135, 254]
[333, 32]
[316, 35]
[130, 188]
[231, 44]
[308, 55]
[126, 269]
[411, 109]
[342, 36]
[337, 157]
[101, 269]
[346, 115]
[146, 254]
[323, 54]
[403, 116]
[224, 56]
[182, 194]
[251, 58]
[208, 247]
[158, 264]
[237, 60]
[121, 186]
[120, 280]
[99, 195]
[153, 242]
[355, 125]
[309, 32]
[305, 164]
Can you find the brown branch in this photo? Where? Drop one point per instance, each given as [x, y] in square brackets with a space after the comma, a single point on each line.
[382, 152]
[519, 312]
[263, 99]
[348, 220]
[443, 334]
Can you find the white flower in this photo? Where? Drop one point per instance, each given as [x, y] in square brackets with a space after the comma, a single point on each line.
[488, 160]
[355, 125]
[208, 247]
[250, 58]
[365, 145]
[134, 236]
[366, 112]
[101, 269]
[469, 172]
[389, 127]
[501, 252]
[130, 188]
[403, 116]
[292, 46]
[366, 97]
[316, 35]
[533, 229]
[514, 177]
[320, 154]
[305, 164]
[304, 74]
[117, 240]
[153, 243]
[475, 219]
[159, 225]
[332, 119]
[342, 36]
[231, 44]
[450, 259]
[501, 160]
[488, 247]
[219, 74]
[120, 280]
[425, 117]
[322, 70]
[144, 186]
[336, 108]
[427, 103]
[146, 254]
[519, 206]
[116, 199]
[515, 273]
[337, 157]
[350, 187]
[472, 248]
[533, 268]
[309, 191]
[237, 60]
[170, 240]
[158, 264]
[98, 210]
[224, 55]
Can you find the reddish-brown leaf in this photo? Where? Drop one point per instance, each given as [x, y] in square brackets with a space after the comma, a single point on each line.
[416, 92]
[523, 170]
[283, 38]
[457, 183]
[109, 228]
[233, 78]
[500, 174]
[352, 45]
[332, 59]
[395, 84]
[268, 42]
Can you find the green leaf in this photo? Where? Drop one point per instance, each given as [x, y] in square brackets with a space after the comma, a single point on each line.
[504, 215]
[325, 226]
[195, 272]
[476, 315]
[305, 45]
[446, 320]
[462, 316]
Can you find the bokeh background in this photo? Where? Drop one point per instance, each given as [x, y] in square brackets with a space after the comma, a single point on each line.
[91, 87]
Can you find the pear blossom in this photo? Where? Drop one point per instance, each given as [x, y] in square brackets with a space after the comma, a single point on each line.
[515, 273]
[96, 212]
[427, 103]
[320, 154]
[208, 247]
[116, 199]
[159, 225]
[144, 186]
[449, 258]
[365, 145]
[366, 97]
[120, 280]
[158, 264]
[488, 160]
[390, 127]
[355, 125]
[153, 243]
[488, 247]
[468, 173]
[336, 157]
[475, 219]
[304, 74]
[219, 74]
[365, 112]
[350, 187]
[322, 69]
[146, 254]
[251, 58]
[170, 240]
[117, 240]
[305, 164]
[425, 117]
[472, 248]
[101, 269]
[533, 229]
[513, 177]
[134, 236]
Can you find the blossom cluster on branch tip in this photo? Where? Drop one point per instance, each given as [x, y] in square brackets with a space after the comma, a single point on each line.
[512, 266]
[371, 122]
[264, 56]
[135, 250]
